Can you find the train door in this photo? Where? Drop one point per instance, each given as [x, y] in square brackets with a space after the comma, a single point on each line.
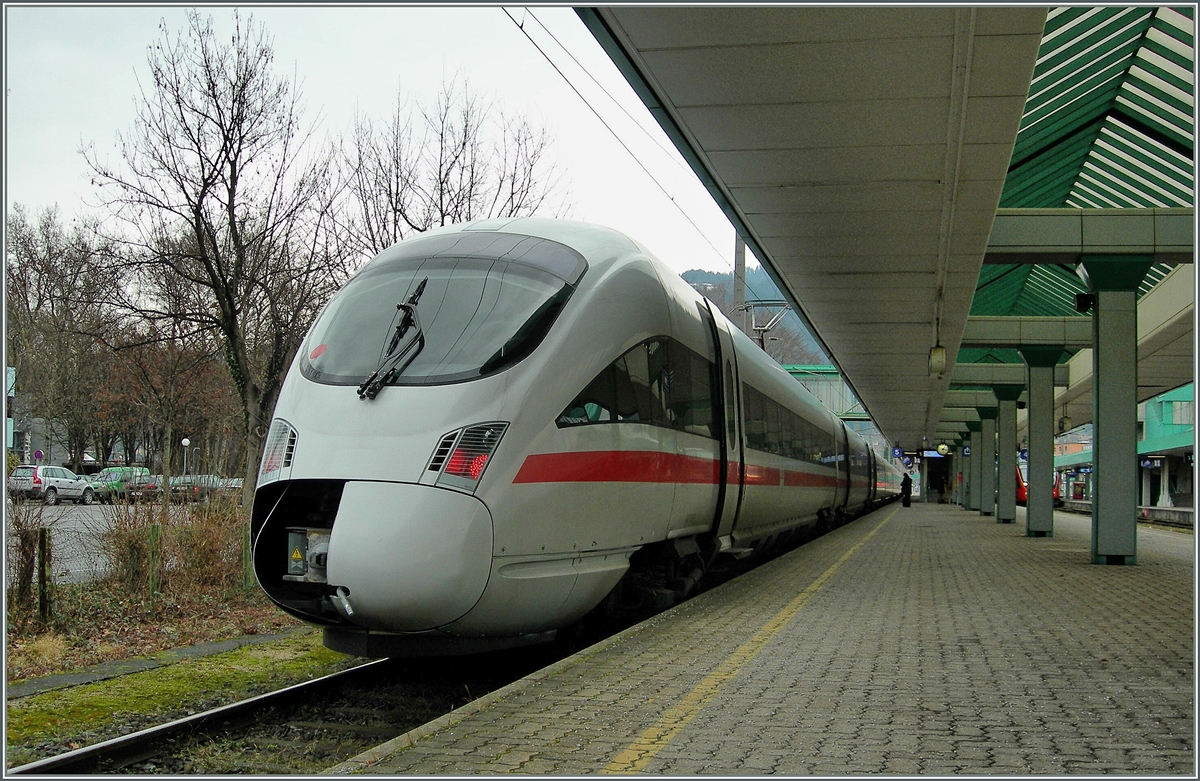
[844, 473]
[872, 479]
[731, 469]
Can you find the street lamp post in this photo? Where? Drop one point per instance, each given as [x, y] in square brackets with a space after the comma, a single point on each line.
[185, 444]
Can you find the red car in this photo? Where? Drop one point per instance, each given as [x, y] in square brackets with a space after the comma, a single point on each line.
[1023, 480]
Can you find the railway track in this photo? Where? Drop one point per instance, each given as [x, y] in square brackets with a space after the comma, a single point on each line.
[307, 727]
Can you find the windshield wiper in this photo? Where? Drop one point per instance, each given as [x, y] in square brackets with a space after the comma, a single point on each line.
[400, 349]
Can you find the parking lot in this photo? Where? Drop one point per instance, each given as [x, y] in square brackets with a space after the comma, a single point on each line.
[76, 537]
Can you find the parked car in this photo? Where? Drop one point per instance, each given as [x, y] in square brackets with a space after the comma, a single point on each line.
[146, 489]
[230, 488]
[118, 478]
[195, 488]
[103, 492]
[51, 483]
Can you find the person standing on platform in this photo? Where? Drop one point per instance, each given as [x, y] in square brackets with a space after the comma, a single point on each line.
[906, 489]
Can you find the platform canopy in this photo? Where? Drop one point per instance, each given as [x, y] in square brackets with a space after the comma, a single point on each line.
[862, 152]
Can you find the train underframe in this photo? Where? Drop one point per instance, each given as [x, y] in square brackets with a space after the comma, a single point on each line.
[660, 576]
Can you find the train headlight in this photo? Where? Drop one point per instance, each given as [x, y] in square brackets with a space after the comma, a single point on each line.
[278, 452]
[462, 455]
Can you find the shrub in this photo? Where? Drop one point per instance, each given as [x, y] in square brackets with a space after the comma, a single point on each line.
[126, 544]
[204, 550]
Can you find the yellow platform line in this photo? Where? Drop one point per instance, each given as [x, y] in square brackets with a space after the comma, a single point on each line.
[646, 746]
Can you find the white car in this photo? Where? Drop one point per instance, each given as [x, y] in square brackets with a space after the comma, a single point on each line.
[52, 483]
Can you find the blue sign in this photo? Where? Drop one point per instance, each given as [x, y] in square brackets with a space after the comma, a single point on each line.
[966, 450]
[908, 460]
[1024, 455]
[897, 452]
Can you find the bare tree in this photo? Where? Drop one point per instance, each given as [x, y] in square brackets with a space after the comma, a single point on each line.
[56, 296]
[460, 159]
[227, 205]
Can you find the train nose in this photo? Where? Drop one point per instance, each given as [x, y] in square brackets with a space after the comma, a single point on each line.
[406, 557]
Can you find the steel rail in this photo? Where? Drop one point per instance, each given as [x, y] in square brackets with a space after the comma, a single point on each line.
[131, 748]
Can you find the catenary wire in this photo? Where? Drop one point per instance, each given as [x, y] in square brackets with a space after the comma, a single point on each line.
[521, 27]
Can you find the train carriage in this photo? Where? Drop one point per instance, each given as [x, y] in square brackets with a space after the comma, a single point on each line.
[493, 428]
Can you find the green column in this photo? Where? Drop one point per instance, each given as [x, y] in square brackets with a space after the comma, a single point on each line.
[1006, 436]
[987, 460]
[1039, 507]
[956, 470]
[1114, 280]
[973, 463]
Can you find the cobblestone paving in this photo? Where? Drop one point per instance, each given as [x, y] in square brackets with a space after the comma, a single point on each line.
[948, 644]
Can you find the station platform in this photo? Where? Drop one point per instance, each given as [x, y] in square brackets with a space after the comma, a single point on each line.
[920, 640]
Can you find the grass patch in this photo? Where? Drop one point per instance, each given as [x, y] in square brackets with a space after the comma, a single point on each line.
[81, 715]
[202, 592]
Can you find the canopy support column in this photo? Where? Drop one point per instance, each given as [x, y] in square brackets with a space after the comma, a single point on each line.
[975, 475]
[987, 460]
[1039, 496]
[1006, 472]
[1114, 280]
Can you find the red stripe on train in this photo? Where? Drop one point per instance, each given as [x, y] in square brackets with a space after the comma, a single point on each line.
[809, 480]
[650, 466]
[617, 466]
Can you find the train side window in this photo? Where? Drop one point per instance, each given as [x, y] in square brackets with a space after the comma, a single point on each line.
[704, 381]
[730, 403]
[691, 391]
[660, 382]
[595, 403]
[633, 387]
[806, 442]
[771, 426]
[755, 438]
[793, 443]
[658, 364]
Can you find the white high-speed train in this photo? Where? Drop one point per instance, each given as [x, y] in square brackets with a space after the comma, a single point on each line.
[496, 427]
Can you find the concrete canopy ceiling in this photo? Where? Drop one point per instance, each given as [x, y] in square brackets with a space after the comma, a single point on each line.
[861, 153]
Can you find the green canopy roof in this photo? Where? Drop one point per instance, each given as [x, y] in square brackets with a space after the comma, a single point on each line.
[1108, 124]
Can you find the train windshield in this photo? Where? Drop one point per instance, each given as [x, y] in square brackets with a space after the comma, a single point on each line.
[489, 301]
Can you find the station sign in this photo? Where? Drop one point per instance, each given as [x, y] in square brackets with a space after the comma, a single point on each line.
[1024, 455]
[1152, 463]
[966, 451]
[897, 452]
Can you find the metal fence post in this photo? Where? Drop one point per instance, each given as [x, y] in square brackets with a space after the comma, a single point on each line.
[43, 574]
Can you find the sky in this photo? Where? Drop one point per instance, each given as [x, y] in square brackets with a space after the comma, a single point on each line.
[72, 79]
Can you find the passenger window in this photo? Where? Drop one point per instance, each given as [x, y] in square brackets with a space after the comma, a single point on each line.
[691, 392]
[633, 387]
[596, 403]
[730, 402]
[658, 367]
[659, 382]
